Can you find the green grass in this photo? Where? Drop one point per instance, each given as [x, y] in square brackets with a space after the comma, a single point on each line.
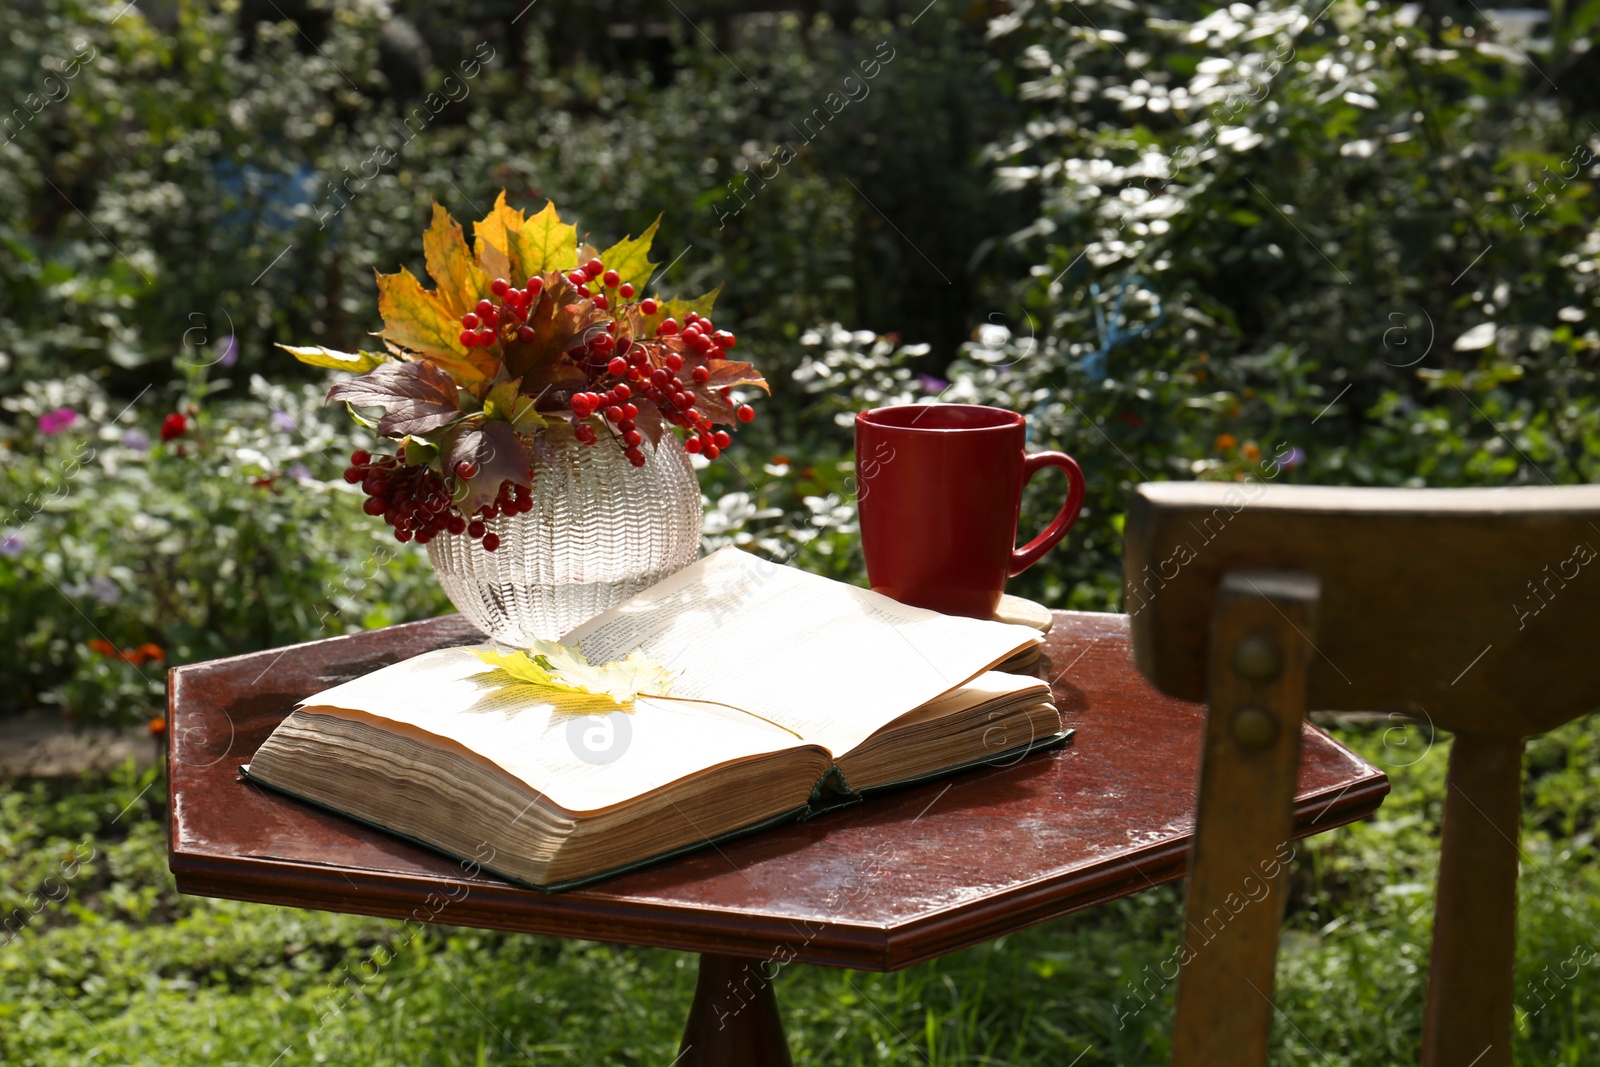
[124, 970]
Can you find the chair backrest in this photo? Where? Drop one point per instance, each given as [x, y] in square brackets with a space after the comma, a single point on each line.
[1477, 608]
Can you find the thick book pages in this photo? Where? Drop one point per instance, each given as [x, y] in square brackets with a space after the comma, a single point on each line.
[793, 691]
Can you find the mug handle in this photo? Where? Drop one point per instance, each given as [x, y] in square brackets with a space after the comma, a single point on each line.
[1029, 554]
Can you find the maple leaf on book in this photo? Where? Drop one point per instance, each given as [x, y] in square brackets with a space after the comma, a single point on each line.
[554, 668]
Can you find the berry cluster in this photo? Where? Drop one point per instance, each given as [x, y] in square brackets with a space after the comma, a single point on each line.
[655, 371]
[415, 501]
[489, 322]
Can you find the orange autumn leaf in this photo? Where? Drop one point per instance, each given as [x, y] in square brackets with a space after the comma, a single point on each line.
[418, 324]
[492, 241]
[460, 280]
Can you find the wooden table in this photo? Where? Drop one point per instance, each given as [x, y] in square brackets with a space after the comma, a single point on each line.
[901, 879]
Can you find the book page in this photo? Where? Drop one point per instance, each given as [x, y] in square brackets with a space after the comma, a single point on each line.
[584, 753]
[829, 661]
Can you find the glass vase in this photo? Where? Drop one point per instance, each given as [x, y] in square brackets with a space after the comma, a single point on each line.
[600, 531]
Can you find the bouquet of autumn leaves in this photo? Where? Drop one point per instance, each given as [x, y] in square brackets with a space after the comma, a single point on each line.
[526, 330]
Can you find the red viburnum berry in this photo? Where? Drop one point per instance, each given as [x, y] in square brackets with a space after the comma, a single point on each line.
[469, 338]
[632, 438]
[691, 318]
[621, 389]
[469, 321]
[491, 541]
[466, 469]
[721, 439]
[626, 291]
[602, 303]
[485, 308]
[617, 366]
[612, 279]
[535, 286]
[499, 287]
[667, 328]
[746, 413]
[475, 529]
[525, 334]
[673, 361]
[360, 458]
[594, 268]
[648, 306]
[692, 445]
[701, 375]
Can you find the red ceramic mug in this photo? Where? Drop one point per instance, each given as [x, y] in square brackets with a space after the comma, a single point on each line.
[939, 488]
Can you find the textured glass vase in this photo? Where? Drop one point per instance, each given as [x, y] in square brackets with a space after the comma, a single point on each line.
[600, 531]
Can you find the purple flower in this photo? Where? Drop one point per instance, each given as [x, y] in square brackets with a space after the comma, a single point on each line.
[136, 440]
[12, 545]
[299, 472]
[52, 422]
[931, 384]
[1293, 458]
[282, 421]
[230, 351]
[104, 589]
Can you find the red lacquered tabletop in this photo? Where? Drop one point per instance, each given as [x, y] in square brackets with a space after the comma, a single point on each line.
[901, 878]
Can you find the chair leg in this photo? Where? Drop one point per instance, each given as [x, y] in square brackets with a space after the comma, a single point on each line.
[1260, 656]
[1469, 1011]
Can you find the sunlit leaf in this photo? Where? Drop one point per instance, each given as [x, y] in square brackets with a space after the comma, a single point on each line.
[545, 243]
[460, 280]
[561, 669]
[493, 242]
[420, 323]
[317, 356]
[629, 256]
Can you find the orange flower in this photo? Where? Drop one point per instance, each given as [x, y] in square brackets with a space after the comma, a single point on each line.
[1251, 451]
[133, 656]
[103, 647]
[157, 726]
[151, 651]
[1226, 442]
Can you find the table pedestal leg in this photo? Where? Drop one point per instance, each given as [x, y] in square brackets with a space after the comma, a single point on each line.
[734, 1021]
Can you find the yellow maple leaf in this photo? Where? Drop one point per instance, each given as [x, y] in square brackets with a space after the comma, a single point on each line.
[559, 669]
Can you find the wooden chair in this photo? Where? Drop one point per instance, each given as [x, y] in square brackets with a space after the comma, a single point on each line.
[1477, 607]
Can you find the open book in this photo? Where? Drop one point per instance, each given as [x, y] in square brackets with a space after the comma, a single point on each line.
[794, 693]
